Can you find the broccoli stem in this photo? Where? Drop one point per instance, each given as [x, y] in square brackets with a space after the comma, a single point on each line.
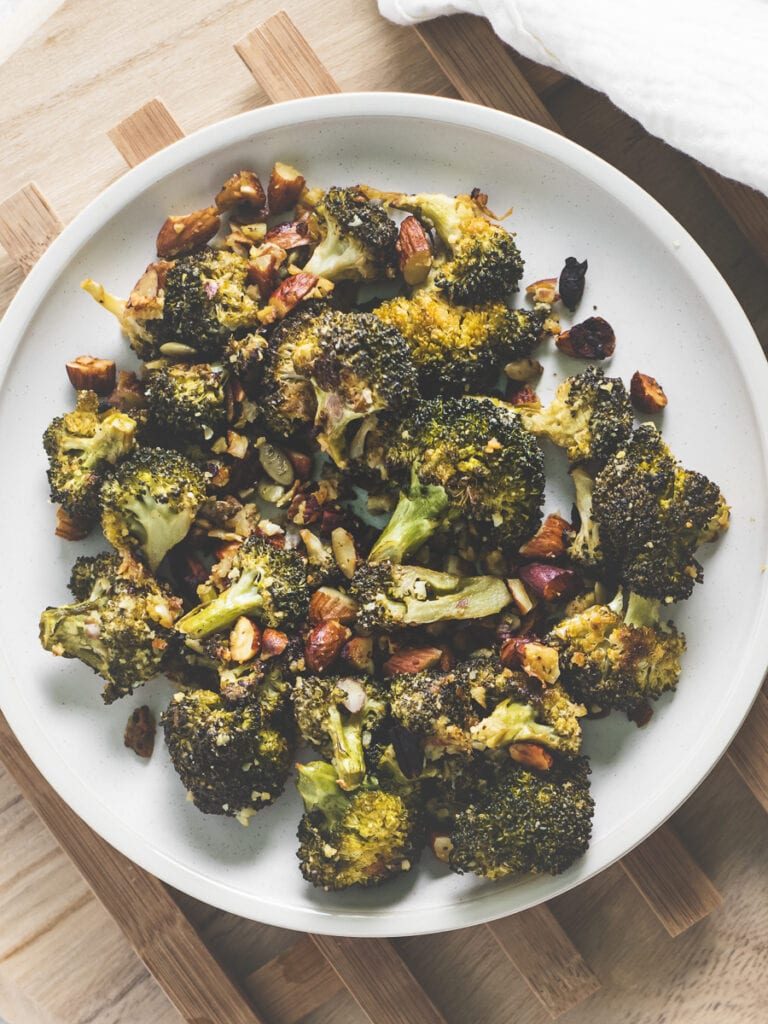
[418, 515]
[348, 755]
[642, 611]
[332, 418]
[242, 598]
[511, 722]
[318, 789]
[156, 528]
[75, 635]
[475, 597]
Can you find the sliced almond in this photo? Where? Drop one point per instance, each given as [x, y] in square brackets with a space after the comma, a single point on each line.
[414, 251]
[285, 186]
[343, 547]
[184, 234]
[329, 603]
[244, 640]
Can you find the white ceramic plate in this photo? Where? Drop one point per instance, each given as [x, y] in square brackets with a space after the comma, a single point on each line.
[674, 317]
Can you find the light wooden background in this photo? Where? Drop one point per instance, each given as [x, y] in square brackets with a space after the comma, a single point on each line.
[62, 958]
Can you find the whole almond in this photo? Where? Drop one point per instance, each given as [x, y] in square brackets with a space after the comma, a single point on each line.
[409, 660]
[291, 292]
[549, 541]
[414, 251]
[273, 642]
[244, 640]
[324, 643]
[181, 235]
[646, 394]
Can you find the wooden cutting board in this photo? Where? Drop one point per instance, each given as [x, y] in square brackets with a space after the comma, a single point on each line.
[603, 953]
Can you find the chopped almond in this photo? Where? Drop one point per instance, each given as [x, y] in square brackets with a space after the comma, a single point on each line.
[242, 190]
[646, 393]
[409, 660]
[532, 755]
[86, 373]
[244, 640]
[285, 186]
[180, 235]
[549, 541]
[414, 251]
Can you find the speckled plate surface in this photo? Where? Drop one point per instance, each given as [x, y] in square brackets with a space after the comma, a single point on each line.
[674, 318]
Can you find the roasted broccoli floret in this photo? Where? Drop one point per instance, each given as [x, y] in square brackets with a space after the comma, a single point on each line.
[81, 447]
[460, 349]
[287, 399]
[652, 515]
[121, 625]
[590, 416]
[391, 596]
[436, 707]
[357, 365]
[526, 822]
[232, 757]
[551, 720]
[475, 450]
[263, 581]
[614, 656]
[358, 238]
[482, 262]
[188, 400]
[245, 355]
[360, 838]
[150, 501]
[322, 705]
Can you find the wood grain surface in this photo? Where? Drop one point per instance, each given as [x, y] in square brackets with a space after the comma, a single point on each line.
[62, 958]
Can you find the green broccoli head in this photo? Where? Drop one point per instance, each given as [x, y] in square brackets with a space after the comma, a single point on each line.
[391, 596]
[358, 238]
[482, 262]
[337, 715]
[437, 708]
[81, 447]
[652, 515]
[188, 400]
[263, 581]
[526, 822]
[357, 365]
[360, 838]
[460, 349]
[232, 758]
[590, 416]
[121, 625]
[208, 300]
[479, 453]
[617, 657]
[150, 501]
[287, 399]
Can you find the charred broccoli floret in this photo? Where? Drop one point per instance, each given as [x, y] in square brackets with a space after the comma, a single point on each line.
[460, 349]
[263, 581]
[482, 262]
[245, 355]
[590, 416]
[360, 838]
[81, 447]
[232, 758]
[188, 400]
[322, 705]
[477, 451]
[391, 596]
[287, 399]
[357, 365]
[208, 300]
[358, 238]
[652, 515]
[526, 822]
[617, 657]
[551, 720]
[120, 626]
[150, 501]
[436, 707]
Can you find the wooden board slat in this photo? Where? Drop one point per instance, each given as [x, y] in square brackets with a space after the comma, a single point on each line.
[294, 983]
[145, 132]
[28, 225]
[480, 67]
[748, 208]
[670, 881]
[141, 905]
[749, 751]
[378, 980]
[546, 958]
[282, 61]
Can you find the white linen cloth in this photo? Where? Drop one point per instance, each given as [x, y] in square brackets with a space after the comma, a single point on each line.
[692, 72]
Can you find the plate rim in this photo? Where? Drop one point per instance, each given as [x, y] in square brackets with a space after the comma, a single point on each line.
[490, 904]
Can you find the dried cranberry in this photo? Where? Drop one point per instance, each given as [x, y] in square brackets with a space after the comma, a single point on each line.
[591, 339]
[571, 283]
